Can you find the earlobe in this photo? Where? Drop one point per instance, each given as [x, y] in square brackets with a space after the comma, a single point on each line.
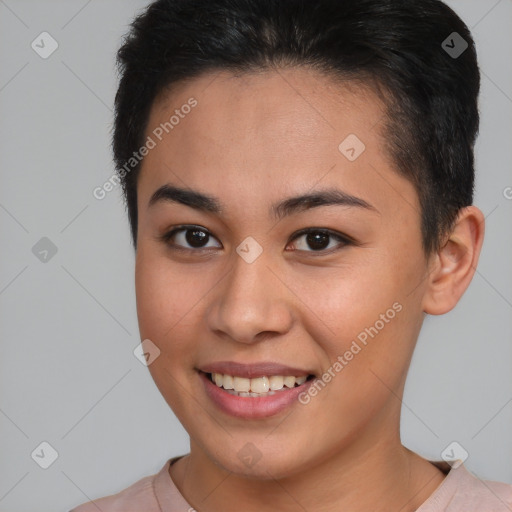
[454, 265]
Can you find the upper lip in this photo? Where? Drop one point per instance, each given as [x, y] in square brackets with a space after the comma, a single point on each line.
[253, 370]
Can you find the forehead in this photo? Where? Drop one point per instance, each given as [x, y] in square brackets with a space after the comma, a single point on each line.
[297, 104]
[257, 130]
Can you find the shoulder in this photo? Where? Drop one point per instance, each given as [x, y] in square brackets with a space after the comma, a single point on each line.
[138, 496]
[464, 491]
[478, 494]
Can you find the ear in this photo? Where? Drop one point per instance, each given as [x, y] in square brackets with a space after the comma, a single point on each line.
[453, 266]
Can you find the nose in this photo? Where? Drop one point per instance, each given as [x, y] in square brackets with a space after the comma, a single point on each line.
[251, 304]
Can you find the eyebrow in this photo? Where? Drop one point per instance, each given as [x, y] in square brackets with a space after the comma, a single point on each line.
[210, 204]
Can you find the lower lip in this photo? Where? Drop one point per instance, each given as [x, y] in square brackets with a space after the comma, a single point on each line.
[252, 407]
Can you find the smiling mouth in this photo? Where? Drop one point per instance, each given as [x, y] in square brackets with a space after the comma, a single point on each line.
[259, 386]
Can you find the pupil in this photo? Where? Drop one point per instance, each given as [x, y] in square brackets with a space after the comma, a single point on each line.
[317, 241]
[196, 237]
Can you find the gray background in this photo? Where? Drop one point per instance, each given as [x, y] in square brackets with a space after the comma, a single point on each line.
[68, 326]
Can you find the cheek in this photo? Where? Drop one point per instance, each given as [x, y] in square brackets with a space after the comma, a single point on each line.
[362, 314]
[164, 295]
[344, 299]
[167, 308]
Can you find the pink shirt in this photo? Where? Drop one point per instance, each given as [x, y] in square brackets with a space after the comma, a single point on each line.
[460, 491]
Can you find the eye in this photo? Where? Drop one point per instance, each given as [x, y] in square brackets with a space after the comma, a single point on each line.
[195, 236]
[192, 238]
[320, 240]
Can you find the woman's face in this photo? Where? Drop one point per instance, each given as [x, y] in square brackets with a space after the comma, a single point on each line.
[243, 292]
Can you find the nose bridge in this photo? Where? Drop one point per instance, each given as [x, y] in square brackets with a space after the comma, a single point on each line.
[252, 300]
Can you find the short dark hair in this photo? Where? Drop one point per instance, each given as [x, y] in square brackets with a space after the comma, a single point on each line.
[400, 46]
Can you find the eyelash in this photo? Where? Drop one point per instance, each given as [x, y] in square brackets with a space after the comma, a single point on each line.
[344, 239]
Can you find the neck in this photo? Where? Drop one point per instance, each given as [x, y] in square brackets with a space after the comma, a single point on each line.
[382, 475]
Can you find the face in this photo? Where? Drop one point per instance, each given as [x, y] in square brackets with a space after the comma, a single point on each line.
[249, 283]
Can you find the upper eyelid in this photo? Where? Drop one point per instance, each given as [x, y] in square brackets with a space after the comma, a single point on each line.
[328, 231]
[185, 227]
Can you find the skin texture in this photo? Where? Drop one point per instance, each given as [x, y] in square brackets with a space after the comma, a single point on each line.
[253, 140]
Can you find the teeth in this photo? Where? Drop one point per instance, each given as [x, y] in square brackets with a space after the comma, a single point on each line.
[242, 386]
[260, 385]
[276, 382]
[227, 382]
[289, 382]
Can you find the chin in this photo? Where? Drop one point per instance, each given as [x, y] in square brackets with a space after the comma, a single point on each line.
[254, 461]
